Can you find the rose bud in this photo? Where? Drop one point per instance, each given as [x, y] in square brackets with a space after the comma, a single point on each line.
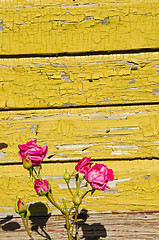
[42, 187]
[20, 206]
[83, 165]
[33, 152]
[27, 164]
[67, 176]
[77, 201]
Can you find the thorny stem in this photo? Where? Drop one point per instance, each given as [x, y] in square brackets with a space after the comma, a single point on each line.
[26, 228]
[52, 200]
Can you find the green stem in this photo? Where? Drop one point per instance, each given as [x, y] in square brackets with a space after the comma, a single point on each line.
[68, 227]
[26, 228]
[77, 186]
[27, 222]
[75, 223]
[69, 188]
[76, 215]
[86, 193]
[70, 210]
[65, 206]
[32, 174]
[37, 173]
[52, 200]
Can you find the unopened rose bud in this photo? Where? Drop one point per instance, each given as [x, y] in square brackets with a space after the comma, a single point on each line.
[27, 164]
[42, 187]
[20, 206]
[77, 201]
[67, 176]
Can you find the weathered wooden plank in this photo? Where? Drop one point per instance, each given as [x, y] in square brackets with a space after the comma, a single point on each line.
[100, 132]
[35, 26]
[135, 187]
[77, 81]
[99, 226]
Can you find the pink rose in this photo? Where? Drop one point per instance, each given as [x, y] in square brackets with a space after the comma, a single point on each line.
[83, 165]
[42, 187]
[33, 152]
[98, 176]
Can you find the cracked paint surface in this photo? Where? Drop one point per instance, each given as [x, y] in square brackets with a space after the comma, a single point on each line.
[77, 27]
[99, 132]
[135, 187]
[77, 81]
[101, 106]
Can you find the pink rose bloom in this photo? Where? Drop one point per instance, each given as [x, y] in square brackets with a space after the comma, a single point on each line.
[98, 176]
[83, 165]
[33, 152]
[42, 187]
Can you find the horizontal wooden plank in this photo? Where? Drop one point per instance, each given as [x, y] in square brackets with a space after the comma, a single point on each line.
[135, 187]
[40, 27]
[79, 81]
[100, 132]
[98, 226]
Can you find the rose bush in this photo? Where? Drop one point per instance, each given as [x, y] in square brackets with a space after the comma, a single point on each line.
[83, 165]
[42, 187]
[98, 176]
[33, 152]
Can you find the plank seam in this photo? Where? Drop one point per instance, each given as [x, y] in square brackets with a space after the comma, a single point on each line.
[78, 54]
[82, 106]
[74, 161]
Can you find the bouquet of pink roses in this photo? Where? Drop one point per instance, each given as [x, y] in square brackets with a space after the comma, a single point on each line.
[96, 176]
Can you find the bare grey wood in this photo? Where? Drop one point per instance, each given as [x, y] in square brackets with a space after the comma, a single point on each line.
[111, 226]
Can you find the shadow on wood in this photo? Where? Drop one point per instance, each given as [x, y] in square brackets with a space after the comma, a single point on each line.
[90, 231]
[11, 226]
[37, 222]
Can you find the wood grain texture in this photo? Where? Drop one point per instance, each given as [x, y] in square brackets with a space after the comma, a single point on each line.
[41, 27]
[100, 132]
[79, 81]
[99, 226]
[135, 187]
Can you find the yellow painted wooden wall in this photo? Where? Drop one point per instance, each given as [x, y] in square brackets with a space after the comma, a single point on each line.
[83, 78]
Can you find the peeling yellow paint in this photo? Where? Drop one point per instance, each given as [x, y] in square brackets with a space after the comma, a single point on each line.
[77, 81]
[135, 186]
[28, 27]
[103, 133]
[115, 134]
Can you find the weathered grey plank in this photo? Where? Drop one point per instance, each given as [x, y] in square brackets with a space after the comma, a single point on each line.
[99, 226]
